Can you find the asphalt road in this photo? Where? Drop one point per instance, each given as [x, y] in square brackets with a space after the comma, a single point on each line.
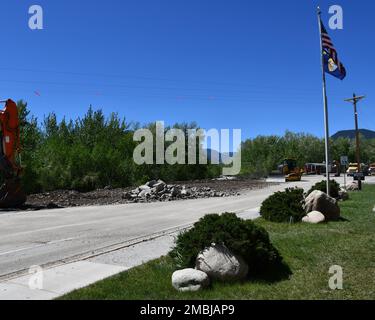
[61, 235]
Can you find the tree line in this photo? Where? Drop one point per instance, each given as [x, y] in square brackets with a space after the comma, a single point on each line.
[96, 151]
[262, 155]
[91, 152]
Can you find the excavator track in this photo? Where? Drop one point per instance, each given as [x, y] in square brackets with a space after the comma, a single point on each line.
[11, 194]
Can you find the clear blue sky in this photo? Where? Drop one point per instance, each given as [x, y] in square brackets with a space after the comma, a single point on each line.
[252, 65]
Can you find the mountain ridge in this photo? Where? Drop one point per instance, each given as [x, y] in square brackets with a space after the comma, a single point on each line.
[350, 134]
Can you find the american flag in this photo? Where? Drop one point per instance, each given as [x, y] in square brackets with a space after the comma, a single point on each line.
[329, 48]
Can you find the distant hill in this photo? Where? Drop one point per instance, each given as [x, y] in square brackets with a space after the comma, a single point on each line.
[216, 155]
[213, 155]
[350, 134]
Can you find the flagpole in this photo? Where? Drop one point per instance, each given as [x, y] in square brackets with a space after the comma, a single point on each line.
[325, 102]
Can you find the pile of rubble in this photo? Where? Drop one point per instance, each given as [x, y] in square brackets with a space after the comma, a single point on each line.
[153, 191]
[160, 191]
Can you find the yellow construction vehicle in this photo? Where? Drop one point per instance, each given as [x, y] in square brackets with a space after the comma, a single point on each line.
[371, 170]
[290, 170]
[353, 169]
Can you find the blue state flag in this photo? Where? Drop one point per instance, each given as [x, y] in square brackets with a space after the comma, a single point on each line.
[332, 64]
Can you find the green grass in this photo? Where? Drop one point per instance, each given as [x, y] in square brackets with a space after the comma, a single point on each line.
[309, 250]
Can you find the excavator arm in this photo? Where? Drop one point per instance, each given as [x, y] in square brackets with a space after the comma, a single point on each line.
[11, 193]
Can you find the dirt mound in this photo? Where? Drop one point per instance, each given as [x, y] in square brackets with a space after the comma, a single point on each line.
[152, 191]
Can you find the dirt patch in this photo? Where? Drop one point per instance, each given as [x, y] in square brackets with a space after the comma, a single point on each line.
[66, 198]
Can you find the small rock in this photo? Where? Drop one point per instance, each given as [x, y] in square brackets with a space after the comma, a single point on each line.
[314, 217]
[144, 193]
[161, 192]
[190, 280]
[159, 186]
[343, 195]
[175, 192]
[151, 184]
[185, 192]
[142, 188]
[221, 264]
[127, 195]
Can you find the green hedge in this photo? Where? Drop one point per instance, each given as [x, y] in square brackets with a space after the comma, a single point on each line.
[284, 206]
[242, 237]
[334, 188]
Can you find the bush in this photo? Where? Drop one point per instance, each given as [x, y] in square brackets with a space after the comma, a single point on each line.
[282, 206]
[242, 237]
[334, 188]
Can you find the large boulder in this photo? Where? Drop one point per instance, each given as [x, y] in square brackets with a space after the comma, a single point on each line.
[314, 217]
[190, 280]
[319, 201]
[352, 186]
[221, 264]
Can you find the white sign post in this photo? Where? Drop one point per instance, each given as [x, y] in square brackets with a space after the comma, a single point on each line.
[344, 162]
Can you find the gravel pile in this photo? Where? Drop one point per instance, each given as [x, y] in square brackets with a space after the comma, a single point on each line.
[160, 191]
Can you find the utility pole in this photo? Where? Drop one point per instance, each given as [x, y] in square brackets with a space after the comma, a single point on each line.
[354, 101]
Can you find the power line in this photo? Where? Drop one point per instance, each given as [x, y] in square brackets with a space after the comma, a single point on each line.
[128, 76]
[247, 85]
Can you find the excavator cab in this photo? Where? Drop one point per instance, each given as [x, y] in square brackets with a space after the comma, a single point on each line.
[11, 193]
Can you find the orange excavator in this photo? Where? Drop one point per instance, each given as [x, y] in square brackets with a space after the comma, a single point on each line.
[11, 193]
